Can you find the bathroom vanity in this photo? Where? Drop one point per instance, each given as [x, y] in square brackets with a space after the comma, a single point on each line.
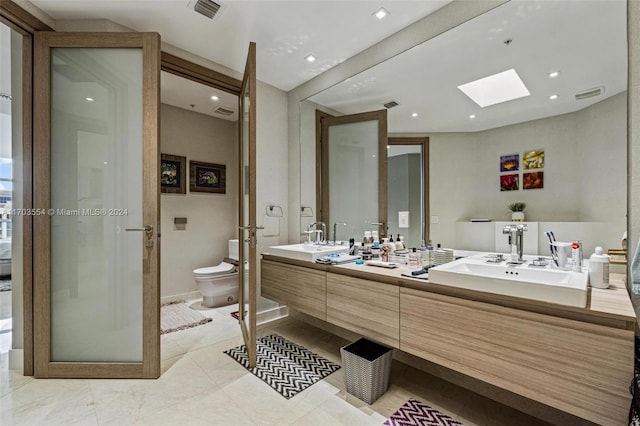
[575, 359]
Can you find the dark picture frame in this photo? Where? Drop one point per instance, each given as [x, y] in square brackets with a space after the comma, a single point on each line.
[173, 174]
[207, 177]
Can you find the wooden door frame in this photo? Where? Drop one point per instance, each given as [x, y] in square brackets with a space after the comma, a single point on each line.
[26, 24]
[248, 81]
[322, 181]
[424, 142]
[44, 367]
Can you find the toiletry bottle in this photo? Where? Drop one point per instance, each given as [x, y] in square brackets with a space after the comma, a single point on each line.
[401, 238]
[414, 259]
[375, 250]
[575, 256]
[352, 246]
[424, 254]
[430, 253]
[391, 238]
[374, 236]
[599, 269]
[399, 244]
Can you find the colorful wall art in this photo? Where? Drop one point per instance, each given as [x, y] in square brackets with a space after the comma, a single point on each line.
[509, 182]
[533, 180]
[533, 159]
[509, 163]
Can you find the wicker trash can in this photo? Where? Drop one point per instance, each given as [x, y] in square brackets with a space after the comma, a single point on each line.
[366, 368]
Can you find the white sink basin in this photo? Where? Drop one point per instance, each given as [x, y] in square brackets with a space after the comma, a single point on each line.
[309, 252]
[544, 284]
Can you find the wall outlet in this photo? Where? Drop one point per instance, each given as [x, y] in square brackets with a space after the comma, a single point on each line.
[435, 219]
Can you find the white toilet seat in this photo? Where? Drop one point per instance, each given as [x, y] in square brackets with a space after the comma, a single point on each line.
[222, 269]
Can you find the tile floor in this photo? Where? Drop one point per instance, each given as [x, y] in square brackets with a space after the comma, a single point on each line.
[202, 386]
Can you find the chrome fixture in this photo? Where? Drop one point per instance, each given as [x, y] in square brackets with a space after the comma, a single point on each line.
[319, 233]
[335, 225]
[516, 237]
[382, 228]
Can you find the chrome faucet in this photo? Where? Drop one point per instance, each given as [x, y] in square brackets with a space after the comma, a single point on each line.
[516, 237]
[382, 228]
[323, 232]
[335, 225]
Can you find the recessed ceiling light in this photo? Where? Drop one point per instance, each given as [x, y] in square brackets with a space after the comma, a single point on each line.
[414, 114]
[90, 99]
[310, 58]
[554, 74]
[472, 116]
[215, 98]
[554, 96]
[381, 13]
[388, 146]
[494, 89]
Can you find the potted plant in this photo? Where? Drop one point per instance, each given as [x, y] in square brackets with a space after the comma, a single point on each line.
[517, 211]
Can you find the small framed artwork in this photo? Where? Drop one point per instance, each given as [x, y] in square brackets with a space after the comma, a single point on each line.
[509, 163]
[533, 159]
[173, 174]
[509, 182]
[207, 177]
[533, 180]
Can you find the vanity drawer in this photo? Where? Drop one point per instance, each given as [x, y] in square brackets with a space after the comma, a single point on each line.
[300, 288]
[580, 368]
[365, 307]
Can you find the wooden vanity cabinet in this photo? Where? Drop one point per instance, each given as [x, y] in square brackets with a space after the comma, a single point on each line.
[300, 288]
[578, 367]
[366, 307]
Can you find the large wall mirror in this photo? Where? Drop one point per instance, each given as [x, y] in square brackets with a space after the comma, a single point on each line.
[572, 59]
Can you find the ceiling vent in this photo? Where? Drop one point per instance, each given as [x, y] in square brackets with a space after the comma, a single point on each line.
[596, 91]
[391, 104]
[223, 111]
[207, 8]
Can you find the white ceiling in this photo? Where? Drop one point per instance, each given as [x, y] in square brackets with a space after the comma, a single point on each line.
[584, 40]
[284, 31]
[187, 94]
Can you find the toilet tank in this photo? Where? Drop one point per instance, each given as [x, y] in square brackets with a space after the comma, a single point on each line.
[233, 249]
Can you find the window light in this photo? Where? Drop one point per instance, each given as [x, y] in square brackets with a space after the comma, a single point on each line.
[494, 89]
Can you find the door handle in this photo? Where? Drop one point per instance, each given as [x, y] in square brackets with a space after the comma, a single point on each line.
[147, 229]
[249, 227]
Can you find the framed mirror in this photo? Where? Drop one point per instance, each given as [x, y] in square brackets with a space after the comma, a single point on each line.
[571, 57]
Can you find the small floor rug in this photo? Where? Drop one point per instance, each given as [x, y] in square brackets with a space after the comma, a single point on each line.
[5, 285]
[285, 366]
[416, 413]
[178, 316]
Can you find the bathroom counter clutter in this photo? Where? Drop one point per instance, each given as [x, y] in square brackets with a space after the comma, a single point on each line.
[578, 360]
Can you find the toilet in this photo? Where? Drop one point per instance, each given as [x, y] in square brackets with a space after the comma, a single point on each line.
[219, 284]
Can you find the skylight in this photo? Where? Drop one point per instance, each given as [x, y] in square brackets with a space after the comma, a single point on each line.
[495, 89]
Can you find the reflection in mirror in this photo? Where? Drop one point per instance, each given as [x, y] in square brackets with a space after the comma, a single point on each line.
[352, 151]
[583, 137]
[407, 168]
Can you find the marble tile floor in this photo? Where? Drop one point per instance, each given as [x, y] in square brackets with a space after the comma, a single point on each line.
[202, 386]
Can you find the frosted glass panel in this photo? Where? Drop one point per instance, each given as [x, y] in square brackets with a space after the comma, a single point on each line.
[353, 177]
[96, 192]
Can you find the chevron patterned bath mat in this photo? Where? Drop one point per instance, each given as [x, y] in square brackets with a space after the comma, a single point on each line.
[286, 367]
[416, 413]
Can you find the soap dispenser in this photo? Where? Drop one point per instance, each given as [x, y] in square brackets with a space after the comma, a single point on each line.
[599, 269]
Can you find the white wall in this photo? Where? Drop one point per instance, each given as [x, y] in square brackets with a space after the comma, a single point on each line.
[272, 178]
[584, 172]
[212, 219]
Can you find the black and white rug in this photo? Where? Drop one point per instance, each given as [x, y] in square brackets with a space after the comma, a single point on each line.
[416, 413]
[285, 366]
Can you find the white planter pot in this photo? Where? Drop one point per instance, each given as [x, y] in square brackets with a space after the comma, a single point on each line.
[517, 216]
